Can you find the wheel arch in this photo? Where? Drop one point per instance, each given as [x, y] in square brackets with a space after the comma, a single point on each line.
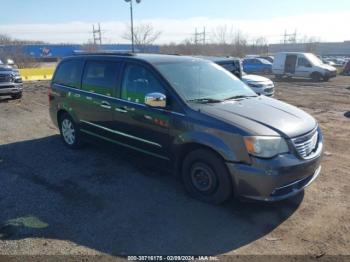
[315, 73]
[185, 143]
[184, 149]
[63, 111]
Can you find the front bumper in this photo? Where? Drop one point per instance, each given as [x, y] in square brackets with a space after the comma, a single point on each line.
[10, 89]
[266, 90]
[274, 179]
[331, 74]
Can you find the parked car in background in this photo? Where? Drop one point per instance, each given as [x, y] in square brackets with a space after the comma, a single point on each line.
[231, 64]
[268, 58]
[220, 137]
[10, 82]
[328, 62]
[297, 64]
[346, 69]
[257, 65]
[260, 85]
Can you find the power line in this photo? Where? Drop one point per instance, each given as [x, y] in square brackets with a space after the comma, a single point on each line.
[289, 38]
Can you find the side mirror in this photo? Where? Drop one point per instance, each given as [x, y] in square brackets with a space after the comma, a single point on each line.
[155, 100]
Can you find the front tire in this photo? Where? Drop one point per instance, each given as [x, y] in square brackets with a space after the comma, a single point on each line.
[316, 77]
[69, 132]
[206, 177]
[17, 96]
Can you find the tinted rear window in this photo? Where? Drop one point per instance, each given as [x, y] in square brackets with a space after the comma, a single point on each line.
[69, 73]
[101, 77]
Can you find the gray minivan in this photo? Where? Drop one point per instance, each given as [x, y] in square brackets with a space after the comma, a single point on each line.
[220, 137]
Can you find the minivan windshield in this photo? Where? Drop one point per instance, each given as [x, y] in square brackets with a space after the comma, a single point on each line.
[313, 59]
[203, 81]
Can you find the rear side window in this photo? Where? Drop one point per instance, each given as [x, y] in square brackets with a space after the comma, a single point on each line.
[101, 77]
[69, 73]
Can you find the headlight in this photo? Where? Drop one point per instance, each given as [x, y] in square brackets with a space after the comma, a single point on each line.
[265, 146]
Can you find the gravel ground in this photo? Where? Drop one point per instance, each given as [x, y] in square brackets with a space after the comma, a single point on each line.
[109, 201]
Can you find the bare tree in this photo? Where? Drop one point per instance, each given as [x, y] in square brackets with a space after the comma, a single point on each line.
[144, 36]
[310, 43]
[222, 34]
[239, 42]
[5, 39]
[260, 45]
[13, 49]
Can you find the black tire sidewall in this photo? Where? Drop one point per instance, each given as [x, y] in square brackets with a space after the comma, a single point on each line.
[223, 188]
[17, 96]
[316, 77]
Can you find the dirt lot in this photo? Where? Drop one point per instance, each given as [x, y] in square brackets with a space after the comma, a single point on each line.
[114, 202]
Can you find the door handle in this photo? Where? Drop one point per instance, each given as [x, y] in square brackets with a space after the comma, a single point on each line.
[106, 105]
[121, 110]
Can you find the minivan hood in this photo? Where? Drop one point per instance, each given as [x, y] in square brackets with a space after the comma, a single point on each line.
[328, 67]
[263, 116]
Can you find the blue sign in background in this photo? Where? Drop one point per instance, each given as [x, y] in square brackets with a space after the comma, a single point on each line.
[60, 51]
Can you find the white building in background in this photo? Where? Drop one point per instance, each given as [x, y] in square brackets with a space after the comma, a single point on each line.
[321, 48]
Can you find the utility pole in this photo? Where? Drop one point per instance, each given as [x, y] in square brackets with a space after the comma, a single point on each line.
[132, 28]
[195, 36]
[289, 38]
[132, 23]
[204, 36]
[199, 37]
[97, 34]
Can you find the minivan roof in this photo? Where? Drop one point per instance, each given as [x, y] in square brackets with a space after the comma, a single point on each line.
[217, 59]
[150, 58]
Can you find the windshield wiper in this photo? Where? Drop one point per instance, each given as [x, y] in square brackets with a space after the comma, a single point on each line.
[238, 97]
[205, 100]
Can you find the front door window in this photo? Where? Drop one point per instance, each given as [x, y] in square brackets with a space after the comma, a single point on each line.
[139, 81]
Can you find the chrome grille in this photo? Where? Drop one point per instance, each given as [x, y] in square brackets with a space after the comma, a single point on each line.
[5, 78]
[307, 144]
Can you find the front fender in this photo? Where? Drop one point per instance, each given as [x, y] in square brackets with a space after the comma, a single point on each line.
[230, 146]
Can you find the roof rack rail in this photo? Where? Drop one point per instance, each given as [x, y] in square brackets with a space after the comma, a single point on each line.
[104, 52]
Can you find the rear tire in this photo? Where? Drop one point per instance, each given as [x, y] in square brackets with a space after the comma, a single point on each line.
[69, 132]
[206, 177]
